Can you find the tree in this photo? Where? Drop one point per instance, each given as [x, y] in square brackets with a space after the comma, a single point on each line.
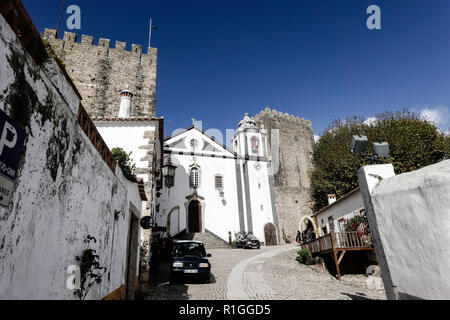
[414, 143]
[125, 163]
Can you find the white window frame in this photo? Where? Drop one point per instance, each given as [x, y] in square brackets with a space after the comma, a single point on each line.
[194, 181]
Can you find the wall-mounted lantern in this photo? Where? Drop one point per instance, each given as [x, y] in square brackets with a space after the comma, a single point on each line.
[168, 172]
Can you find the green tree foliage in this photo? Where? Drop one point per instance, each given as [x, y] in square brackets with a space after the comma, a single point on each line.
[125, 163]
[414, 143]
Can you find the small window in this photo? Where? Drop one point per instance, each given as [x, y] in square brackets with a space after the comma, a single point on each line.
[194, 144]
[218, 179]
[255, 145]
[193, 178]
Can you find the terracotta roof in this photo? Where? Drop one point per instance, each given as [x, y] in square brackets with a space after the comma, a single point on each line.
[133, 119]
[336, 202]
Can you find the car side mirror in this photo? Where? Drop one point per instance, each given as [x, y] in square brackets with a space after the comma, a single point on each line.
[209, 255]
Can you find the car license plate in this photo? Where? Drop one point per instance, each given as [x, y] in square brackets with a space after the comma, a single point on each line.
[191, 271]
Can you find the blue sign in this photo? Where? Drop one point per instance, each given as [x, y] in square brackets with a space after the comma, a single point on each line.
[12, 141]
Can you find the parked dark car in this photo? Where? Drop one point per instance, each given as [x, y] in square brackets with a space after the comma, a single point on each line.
[189, 258]
[247, 241]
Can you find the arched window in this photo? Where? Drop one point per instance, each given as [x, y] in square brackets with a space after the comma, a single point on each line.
[194, 178]
[255, 145]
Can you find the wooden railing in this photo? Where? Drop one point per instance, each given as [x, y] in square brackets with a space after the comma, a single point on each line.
[338, 240]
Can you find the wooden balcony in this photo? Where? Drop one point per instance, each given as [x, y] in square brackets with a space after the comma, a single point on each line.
[336, 242]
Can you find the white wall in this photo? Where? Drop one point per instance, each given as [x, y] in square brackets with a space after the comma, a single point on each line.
[345, 208]
[64, 190]
[260, 197]
[128, 135]
[219, 217]
[411, 218]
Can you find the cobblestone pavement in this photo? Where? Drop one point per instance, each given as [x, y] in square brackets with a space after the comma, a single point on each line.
[277, 275]
[268, 273]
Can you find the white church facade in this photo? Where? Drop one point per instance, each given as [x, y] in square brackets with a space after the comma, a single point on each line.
[218, 190]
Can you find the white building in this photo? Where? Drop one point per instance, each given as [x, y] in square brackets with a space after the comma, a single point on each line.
[142, 137]
[332, 217]
[218, 190]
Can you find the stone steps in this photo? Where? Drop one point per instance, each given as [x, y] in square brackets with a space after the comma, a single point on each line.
[210, 240]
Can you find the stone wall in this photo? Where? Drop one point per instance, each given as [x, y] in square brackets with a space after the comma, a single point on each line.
[100, 73]
[64, 189]
[292, 173]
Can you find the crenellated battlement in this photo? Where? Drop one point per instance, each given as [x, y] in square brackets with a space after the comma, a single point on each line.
[101, 71]
[70, 37]
[284, 116]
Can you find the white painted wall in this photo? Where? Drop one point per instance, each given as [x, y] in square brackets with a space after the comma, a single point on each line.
[345, 208]
[260, 199]
[410, 213]
[43, 229]
[128, 135]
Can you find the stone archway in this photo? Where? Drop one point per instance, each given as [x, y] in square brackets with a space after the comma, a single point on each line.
[307, 229]
[270, 234]
[175, 211]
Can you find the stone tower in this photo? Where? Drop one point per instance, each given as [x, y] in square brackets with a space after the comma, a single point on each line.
[292, 178]
[100, 73]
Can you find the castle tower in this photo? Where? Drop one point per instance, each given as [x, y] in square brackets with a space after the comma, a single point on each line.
[99, 72]
[290, 146]
[125, 104]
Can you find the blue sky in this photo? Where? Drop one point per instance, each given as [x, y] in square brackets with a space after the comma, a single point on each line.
[315, 59]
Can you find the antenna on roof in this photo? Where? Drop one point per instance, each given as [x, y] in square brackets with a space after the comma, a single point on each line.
[59, 19]
[150, 32]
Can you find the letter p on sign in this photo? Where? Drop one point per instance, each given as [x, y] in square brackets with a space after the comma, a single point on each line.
[8, 138]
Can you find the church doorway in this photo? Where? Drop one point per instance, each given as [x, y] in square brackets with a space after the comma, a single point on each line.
[270, 234]
[194, 216]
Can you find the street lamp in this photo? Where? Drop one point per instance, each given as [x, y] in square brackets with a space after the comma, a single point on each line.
[359, 144]
[168, 172]
[381, 149]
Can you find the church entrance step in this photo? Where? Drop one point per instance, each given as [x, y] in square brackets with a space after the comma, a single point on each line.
[210, 240]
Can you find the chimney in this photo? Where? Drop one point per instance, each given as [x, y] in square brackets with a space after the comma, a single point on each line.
[331, 198]
[125, 104]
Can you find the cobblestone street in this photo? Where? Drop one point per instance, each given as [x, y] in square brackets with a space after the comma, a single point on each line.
[268, 273]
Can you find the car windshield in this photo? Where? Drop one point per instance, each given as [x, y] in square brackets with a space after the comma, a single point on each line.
[189, 249]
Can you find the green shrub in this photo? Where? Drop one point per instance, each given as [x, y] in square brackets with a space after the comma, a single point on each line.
[125, 163]
[303, 255]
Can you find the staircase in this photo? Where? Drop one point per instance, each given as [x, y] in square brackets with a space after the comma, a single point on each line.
[210, 240]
